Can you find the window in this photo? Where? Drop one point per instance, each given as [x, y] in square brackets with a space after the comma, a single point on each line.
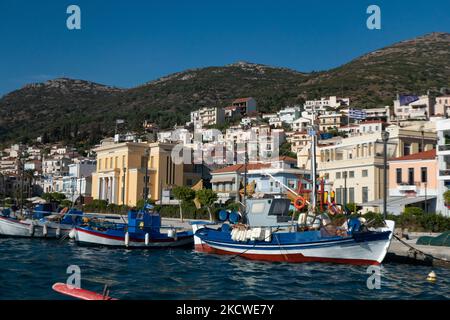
[338, 195]
[351, 195]
[338, 175]
[365, 173]
[292, 184]
[365, 194]
[410, 176]
[424, 174]
[407, 149]
[351, 174]
[399, 175]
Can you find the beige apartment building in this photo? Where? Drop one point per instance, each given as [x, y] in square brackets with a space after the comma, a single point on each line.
[121, 169]
[353, 167]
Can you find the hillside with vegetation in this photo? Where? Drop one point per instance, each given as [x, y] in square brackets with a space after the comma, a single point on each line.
[81, 111]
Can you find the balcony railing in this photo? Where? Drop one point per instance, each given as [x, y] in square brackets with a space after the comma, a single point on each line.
[406, 186]
[444, 172]
[445, 147]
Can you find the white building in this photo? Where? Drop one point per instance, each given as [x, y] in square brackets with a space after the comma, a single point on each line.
[443, 155]
[207, 117]
[301, 124]
[331, 102]
[442, 106]
[362, 128]
[55, 166]
[289, 114]
[413, 107]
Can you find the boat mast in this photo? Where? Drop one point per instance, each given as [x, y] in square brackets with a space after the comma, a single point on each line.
[313, 133]
[245, 177]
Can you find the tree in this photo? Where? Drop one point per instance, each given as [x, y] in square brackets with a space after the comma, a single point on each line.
[285, 150]
[447, 197]
[53, 197]
[207, 198]
[184, 195]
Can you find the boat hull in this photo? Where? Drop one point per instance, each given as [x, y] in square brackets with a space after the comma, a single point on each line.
[15, 228]
[359, 251]
[92, 237]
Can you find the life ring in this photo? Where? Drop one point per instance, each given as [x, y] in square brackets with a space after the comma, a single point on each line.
[299, 203]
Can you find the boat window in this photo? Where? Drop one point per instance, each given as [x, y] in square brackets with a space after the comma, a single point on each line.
[280, 207]
[258, 208]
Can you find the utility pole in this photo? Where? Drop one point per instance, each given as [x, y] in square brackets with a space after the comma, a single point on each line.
[123, 185]
[245, 175]
[313, 134]
[385, 137]
[22, 173]
[345, 189]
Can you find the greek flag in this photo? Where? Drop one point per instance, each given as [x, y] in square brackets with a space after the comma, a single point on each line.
[357, 114]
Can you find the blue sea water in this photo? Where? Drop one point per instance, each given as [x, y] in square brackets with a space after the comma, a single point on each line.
[29, 268]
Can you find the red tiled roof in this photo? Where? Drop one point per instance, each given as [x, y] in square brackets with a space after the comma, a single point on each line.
[241, 168]
[372, 121]
[252, 166]
[426, 155]
[287, 159]
[240, 100]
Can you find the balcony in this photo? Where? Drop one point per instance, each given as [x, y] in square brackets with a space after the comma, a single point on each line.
[444, 174]
[445, 148]
[407, 187]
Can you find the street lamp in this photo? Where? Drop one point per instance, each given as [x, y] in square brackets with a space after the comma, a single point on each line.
[385, 138]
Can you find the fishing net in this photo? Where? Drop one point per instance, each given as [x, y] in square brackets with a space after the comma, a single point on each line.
[441, 240]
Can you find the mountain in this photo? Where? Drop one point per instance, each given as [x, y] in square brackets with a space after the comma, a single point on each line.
[62, 107]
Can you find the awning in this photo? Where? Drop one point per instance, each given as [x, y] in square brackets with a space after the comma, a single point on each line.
[222, 179]
[397, 201]
[396, 205]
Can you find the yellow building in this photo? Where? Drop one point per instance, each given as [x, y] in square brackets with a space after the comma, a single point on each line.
[121, 169]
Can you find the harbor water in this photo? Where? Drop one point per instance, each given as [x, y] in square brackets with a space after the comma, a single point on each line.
[29, 268]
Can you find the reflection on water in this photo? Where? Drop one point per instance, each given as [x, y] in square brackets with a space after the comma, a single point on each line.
[28, 268]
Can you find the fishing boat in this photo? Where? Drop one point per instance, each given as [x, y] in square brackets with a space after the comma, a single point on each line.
[143, 230]
[266, 232]
[42, 222]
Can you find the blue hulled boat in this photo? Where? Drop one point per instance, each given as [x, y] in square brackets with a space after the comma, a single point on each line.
[143, 230]
[266, 232]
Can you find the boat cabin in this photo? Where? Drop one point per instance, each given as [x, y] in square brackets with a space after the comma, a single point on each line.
[267, 212]
[143, 221]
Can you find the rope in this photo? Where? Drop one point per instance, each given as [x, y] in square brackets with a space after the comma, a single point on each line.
[419, 251]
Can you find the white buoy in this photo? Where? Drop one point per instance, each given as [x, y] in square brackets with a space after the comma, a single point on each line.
[44, 230]
[147, 239]
[127, 239]
[432, 276]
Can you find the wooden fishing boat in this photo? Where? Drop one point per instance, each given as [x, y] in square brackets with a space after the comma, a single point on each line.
[265, 233]
[39, 223]
[143, 230]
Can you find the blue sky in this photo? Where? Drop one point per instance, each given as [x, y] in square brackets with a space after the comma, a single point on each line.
[127, 43]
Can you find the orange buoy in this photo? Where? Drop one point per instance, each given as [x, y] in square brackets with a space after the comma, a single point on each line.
[299, 203]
